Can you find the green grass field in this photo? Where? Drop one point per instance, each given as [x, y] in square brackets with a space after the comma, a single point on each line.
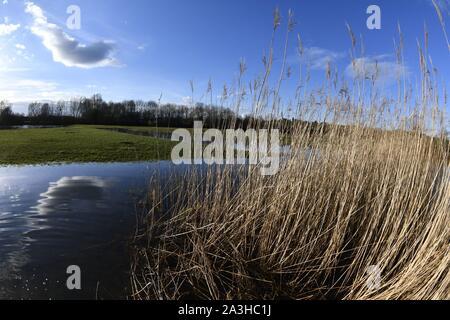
[80, 144]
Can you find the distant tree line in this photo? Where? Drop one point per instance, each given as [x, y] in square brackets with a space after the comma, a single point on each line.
[7, 116]
[95, 110]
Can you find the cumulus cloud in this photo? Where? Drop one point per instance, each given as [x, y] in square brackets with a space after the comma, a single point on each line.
[6, 29]
[67, 50]
[378, 68]
[319, 58]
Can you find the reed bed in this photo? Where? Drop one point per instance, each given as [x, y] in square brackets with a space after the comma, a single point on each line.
[366, 186]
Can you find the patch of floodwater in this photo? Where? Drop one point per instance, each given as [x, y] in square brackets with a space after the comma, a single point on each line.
[52, 217]
[22, 127]
[144, 133]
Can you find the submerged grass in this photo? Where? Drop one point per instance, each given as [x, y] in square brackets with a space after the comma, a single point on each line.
[376, 193]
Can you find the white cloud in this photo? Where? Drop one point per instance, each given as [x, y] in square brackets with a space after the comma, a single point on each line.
[21, 92]
[20, 46]
[4, 69]
[6, 29]
[36, 84]
[5, 2]
[67, 50]
[318, 58]
[27, 90]
[376, 68]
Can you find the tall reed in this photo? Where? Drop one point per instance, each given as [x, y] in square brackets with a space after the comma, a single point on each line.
[367, 184]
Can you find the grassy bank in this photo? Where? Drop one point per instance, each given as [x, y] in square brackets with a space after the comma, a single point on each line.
[79, 144]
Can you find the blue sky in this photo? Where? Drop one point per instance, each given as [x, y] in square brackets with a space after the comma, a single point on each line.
[140, 49]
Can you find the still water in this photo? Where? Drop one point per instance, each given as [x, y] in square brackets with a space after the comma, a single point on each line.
[52, 217]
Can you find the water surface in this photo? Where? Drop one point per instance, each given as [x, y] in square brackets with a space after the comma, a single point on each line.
[22, 127]
[52, 217]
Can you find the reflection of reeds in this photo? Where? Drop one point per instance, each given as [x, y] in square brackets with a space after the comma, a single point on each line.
[373, 191]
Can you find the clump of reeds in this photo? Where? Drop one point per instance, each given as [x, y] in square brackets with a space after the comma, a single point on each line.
[367, 185]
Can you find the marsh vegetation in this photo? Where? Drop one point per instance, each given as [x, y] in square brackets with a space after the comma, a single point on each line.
[374, 194]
